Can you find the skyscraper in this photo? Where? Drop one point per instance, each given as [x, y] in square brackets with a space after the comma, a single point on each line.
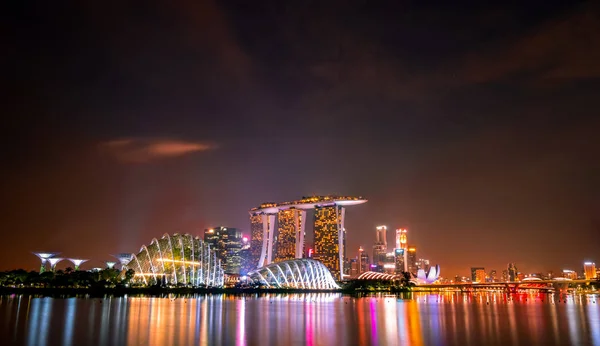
[290, 234]
[262, 228]
[401, 238]
[589, 269]
[227, 243]
[329, 238]
[411, 259]
[379, 256]
[381, 236]
[400, 255]
[363, 261]
[512, 272]
[478, 274]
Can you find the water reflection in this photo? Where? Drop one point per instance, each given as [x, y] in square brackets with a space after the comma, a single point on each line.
[303, 319]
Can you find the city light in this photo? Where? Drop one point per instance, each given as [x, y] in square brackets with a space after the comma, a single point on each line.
[178, 261]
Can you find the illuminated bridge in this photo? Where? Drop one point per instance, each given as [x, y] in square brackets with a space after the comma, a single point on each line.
[297, 273]
[290, 218]
[537, 284]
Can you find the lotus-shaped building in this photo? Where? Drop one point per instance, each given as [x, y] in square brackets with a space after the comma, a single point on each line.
[428, 277]
[423, 277]
[177, 259]
[301, 273]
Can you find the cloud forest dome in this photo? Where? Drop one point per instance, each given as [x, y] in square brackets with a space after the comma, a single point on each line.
[178, 259]
[297, 273]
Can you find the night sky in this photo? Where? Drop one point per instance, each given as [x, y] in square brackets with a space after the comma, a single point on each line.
[475, 127]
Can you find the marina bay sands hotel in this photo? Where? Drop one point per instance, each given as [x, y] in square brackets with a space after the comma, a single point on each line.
[278, 231]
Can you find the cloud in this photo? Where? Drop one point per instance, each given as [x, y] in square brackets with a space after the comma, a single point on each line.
[140, 150]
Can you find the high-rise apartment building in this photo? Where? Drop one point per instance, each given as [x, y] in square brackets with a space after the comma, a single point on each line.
[329, 238]
[290, 234]
[589, 270]
[478, 274]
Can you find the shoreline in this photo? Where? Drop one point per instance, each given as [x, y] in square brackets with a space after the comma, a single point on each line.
[161, 291]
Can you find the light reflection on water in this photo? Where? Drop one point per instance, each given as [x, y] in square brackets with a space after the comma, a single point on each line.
[303, 319]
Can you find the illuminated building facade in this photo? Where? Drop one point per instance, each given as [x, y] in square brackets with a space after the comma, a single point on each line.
[354, 267]
[493, 276]
[400, 259]
[401, 238]
[301, 273]
[478, 274]
[411, 260]
[227, 244]
[380, 248]
[569, 274]
[329, 231]
[290, 234]
[389, 266]
[178, 259]
[381, 236]
[423, 264]
[512, 272]
[262, 228]
[329, 238]
[363, 261]
[589, 270]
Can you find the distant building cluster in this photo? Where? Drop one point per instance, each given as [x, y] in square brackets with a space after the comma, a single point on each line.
[401, 258]
[512, 274]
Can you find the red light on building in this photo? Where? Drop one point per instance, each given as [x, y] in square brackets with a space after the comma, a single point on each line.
[310, 253]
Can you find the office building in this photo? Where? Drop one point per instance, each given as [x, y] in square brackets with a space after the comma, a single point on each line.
[512, 272]
[589, 270]
[401, 238]
[493, 276]
[364, 263]
[423, 264]
[378, 256]
[354, 268]
[389, 265]
[411, 259]
[569, 274]
[478, 274]
[400, 256]
[381, 236]
[226, 243]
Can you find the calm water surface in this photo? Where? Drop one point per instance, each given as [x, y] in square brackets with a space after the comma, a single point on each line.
[303, 319]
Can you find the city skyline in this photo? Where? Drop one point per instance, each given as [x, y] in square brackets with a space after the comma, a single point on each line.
[469, 126]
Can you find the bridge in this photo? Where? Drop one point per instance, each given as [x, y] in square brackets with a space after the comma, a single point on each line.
[540, 285]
